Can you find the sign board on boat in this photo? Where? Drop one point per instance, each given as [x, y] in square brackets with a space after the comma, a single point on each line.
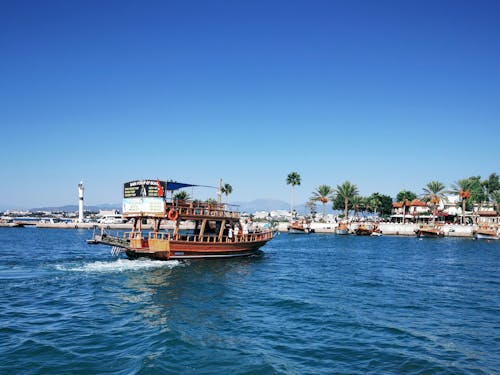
[144, 189]
[143, 205]
[144, 196]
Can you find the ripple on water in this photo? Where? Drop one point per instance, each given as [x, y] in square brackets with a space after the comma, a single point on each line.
[312, 304]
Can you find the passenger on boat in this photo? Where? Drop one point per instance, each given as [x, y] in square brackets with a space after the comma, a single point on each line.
[230, 234]
[250, 226]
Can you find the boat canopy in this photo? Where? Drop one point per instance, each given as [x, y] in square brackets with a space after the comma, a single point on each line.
[174, 185]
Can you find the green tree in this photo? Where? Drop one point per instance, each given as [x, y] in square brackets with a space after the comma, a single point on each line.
[405, 194]
[462, 189]
[380, 204]
[293, 179]
[357, 204]
[386, 207]
[495, 198]
[491, 185]
[338, 203]
[373, 203]
[181, 196]
[211, 201]
[226, 190]
[433, 193]
[322, 194]
[477, 192]
[346, 191]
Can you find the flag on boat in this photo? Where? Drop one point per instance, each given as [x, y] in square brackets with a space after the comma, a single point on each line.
[161, 192]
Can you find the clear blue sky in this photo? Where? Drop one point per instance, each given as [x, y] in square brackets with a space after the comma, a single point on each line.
[386, 94]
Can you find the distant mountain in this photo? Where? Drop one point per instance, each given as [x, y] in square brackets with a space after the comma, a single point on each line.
[250, 207]
[262, 205]
[74, 207]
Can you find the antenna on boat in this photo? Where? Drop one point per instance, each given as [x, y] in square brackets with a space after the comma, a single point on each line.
[219, 192]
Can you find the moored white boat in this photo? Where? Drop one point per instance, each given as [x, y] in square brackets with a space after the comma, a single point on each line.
[487, 233]
[342, 229]
[297, 227]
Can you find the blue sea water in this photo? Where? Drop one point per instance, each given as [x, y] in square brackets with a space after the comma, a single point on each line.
[313, 304]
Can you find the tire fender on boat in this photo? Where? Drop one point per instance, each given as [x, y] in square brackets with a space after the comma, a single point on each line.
[173, 215]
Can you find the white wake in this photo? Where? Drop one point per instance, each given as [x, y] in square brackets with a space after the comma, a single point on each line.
[119, 265]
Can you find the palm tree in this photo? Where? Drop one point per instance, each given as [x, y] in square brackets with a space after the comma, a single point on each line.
[462, 189]
[322, 194]
[346, 191]
[495, 197]
[357, 203]
[374, 202]
[181, 196]
[434, 192]
[226, 189]
[405, 196]
[293, 179]
[491, 185]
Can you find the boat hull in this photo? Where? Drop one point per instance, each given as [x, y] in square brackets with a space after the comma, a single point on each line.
[429, 234]
[298, 231]
[182, 251]
[483, 236]
[341, 232]
[363, 232]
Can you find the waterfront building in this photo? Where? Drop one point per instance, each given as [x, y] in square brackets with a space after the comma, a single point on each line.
[488, 217]
[106, 213]
[281, 215]
[407, 211]
[261, 215]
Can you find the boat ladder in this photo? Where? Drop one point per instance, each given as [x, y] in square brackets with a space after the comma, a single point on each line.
[116, 250]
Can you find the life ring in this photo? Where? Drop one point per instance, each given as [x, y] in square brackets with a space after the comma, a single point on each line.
[173, 215]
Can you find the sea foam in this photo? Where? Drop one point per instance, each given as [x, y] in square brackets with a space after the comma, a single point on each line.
[119, 265]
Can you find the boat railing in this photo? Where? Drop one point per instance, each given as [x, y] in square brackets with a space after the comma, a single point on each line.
[133, 235]
[196, 211]
[136, 239]
[250, 237]
[199, 209]
[159, 236]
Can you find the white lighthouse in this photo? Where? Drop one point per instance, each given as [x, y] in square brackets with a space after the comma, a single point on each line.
[80, 202]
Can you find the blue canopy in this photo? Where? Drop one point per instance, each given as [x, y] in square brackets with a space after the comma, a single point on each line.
[172, 185]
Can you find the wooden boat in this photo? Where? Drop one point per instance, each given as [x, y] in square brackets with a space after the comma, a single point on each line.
[297, 227]
[364, 230]
[216, 231]
[429, 231]
[342, 229]
[487, 233]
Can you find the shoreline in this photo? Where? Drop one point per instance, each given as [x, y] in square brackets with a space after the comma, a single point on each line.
[386, 229]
